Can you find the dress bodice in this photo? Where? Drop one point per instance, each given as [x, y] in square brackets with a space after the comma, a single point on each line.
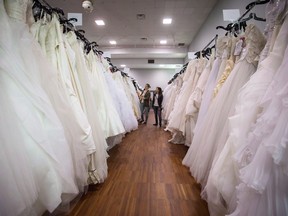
[255, 42]
[188, 69]
[221, 45]
[16, 9]
[201, 65]
[274, 10]
[227, 48]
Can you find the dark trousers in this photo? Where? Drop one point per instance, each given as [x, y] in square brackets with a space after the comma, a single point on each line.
[158, 115]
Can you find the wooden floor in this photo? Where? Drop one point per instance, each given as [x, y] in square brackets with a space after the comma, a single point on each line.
[146, 178]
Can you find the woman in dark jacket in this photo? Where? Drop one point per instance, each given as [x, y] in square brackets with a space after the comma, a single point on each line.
[157, 106]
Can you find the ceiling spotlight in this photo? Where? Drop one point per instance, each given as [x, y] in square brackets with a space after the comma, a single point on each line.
[163, 41]
[100, 22]
[167, 21]
[123, 65]
[112, 42]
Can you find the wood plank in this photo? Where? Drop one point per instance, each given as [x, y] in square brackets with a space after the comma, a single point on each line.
[146, 177]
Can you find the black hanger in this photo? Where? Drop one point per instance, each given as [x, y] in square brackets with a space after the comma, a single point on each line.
[253, 16]
[252, 4]
[81, 31]
[67, 21]
[227, 28]
[258, 18]
[59, 11]
[38, 10]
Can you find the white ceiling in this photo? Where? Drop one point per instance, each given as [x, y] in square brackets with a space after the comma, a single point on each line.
[123, 26]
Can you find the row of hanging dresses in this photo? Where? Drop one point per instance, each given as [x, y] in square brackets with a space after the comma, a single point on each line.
[195, 99]
[238, 151]
[54, 141]
[210, 137]
[126, 83]
[249, 176]
[61, 55]
[171, 92]
[182, 120]
[52, 167]
[120, 100]
[177, 119]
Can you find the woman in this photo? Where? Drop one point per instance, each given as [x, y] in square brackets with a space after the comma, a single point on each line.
[145, 103]
[157, 106]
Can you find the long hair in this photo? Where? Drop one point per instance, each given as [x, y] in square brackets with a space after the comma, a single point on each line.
[160, 90]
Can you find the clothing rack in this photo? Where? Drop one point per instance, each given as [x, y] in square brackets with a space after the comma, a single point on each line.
[214, 39]
[206, 51]
[177, 74]
[240, 23]
[69, 26]
[250, 6]
[67, 23]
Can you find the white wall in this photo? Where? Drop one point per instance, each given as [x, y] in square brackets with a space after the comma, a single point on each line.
[155, 77]
[208, 30]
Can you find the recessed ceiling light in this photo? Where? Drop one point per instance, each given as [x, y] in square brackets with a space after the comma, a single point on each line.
[122, 65]
[167, 21]
[163, 41]
[141, 16]
[100, 22]
[112, 42]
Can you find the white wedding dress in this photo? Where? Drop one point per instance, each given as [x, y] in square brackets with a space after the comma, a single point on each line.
[108, 114]
[62, 57]
[208, 141]
[175, 90]
[224, 175]
[177, 117]
[130, 93]
[43, 138]
[121, 104]
[194, 102]
[130, 88]
[262, 161]
[90, 103]
[221, 45]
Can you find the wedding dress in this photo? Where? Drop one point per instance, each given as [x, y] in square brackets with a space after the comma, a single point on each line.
[194, 100]
[90, 102]
[175, 90]
[177, 117]
[60, 53]
[130, 93]
[107, 112]
[208, 141]
[121, 104]
[223, 177]
[262, 161]
[221, 45]
[41, 130]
